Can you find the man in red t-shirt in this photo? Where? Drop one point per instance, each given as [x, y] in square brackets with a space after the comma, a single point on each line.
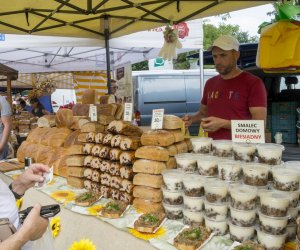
[231, 95]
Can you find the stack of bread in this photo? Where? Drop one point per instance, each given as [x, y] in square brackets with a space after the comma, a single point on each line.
[24, 122]
[109, 158]
[155, 156]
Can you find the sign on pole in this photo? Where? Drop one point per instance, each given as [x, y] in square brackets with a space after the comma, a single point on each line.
[249, 131]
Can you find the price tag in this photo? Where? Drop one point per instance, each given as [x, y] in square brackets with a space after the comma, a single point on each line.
[249, 131]
[127, 111]
[93, 113]
[157, 118]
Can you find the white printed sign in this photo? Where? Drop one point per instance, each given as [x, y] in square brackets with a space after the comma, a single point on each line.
[157, 118]
[93, 113]
[249, 131]
[128, 112]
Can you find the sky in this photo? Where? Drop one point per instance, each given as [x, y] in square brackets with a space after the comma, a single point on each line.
[248, 19]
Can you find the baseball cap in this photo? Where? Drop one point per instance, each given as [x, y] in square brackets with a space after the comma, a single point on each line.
[226, 42]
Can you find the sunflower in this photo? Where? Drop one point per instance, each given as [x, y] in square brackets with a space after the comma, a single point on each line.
[55, 226]
[84, 244]
[147, 236]
[63, 195]
[94, 210]
[19, 203]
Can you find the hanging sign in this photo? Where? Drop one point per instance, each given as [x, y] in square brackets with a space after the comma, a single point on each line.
[157, 118]
[249, 131]
[93, 113]
[127, 111]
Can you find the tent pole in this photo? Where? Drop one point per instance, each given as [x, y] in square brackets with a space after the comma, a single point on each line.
[106, 33]
[9, 95]
[201, 68]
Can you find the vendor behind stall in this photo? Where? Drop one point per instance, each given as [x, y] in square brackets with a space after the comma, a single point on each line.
[38, 108]
[24, 106]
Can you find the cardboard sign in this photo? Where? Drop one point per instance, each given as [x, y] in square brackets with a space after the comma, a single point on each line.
[157, 118]
[249, 131]
[93, 113]
[127, 111]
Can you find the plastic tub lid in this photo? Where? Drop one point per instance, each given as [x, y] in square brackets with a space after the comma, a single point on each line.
[270, 146]
[202, 139]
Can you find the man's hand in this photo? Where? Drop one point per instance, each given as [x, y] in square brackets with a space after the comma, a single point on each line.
[187, 120]
[212, 124]
[28, 179]
[34, 225]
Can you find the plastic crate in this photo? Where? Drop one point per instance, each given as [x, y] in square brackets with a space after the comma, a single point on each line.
[284, 121]
[288, 136]
[279, 108]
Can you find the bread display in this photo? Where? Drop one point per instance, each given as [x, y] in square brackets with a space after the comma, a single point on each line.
[127, 158]
[115, 154]
[157, 138]
[147, 193]
[76, 171]
[99, 137]
[104, 165]
[115, 169]
[86, 199]
[124, 128]
[107, 139]
[90, 137]
[104, 152]
[130, 143]
[87, 148]
[154, 153]
[148, 180]
[113, 209]
[126, 186]
[116, 140]
[115, 182]
[149, 166]
[105, 179]
[191, 238]
[172, 122]
[148, 223]
[126, 172]
[75, 160]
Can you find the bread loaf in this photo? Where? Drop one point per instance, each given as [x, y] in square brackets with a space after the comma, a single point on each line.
[126, 197]
[87, 173]
[148, 180]
[105, 179]
[75, 150]
[107, 139]
[105, 119]
[157, 138]
[127, 158]
[107, 99]
[88, 161]
[115, 168]
[177, 133]
[149, 167]
[75, 182]
[96, 187]
[114, 154]
[171, 163]
[87, 148]
[96, 176]
[115, 194]
[99, 137]
[27, 149]
[116, 140]
[154, 153]
[92, 127]
[78, 122]
[64, 118]
[120, 111]
[147, 193]
[146, 206]
[96, 150]
[90, 137]
[172, 150]
[72, 139]
[104, 152]
[189, 144]
[130, 143]
[96, 163]
[46, 121]
[36, 135]
[126, 186]
[76, 171]
[124, 128]
[62, 171]
[75, 161]
[126, 172]
[115, 182]
[172, 122]
[82, 137]
[87, 184]
[105, 191]
[105, 166]
[44, 154]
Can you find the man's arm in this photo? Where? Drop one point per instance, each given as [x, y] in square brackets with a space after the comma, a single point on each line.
[258, 113]
[7, 123]
[197, 117]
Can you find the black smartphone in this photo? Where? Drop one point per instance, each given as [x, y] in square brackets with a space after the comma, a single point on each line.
[46, 211]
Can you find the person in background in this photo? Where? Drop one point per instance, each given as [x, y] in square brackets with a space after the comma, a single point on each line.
[24, 106]
[5, 127]
[34, 225]
[231, 95]
[114, 88]
[38, 108]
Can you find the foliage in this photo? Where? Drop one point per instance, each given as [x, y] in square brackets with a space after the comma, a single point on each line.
[140, 66]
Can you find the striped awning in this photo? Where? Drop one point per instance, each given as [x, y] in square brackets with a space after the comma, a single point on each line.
[96, 80]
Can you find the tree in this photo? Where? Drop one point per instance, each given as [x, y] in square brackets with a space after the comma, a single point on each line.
[140, 66]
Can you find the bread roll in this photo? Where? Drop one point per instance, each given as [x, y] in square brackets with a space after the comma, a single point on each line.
[88, 96]
[189, 144]
[92, 127]
[78, 122]
[177, 133]
[126, 172]
[105, 119]
[124, 128]
[116, 140]
[127, 158]
[114, 154]
[126, 197]
[148, 180]
[90, 137]
[130, 143]
[87, 184]
[149, 167]
[181, 147]
[75, 150]
[99, 137]
[75, 161]
[107, 139]
[46, 121]
[76, 171]
[64, 118]
[82, 137]
[96, 187]
[87, 148]
[147, 193]
[115, 168]
[96, 163]
[105, 179]
[115, 182]
[120, 111]
[147, 206]
[172, 150]
[104, 152]
[75, 182]
[172, 122]
[171, 163]
[126, 186]
[105, 166]
[105, 191]
[72, 139]
[88, 161]
[107, 99]
[157, 138]
[87, 173]
[154, 153]
[96, 176]
[96, 150]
